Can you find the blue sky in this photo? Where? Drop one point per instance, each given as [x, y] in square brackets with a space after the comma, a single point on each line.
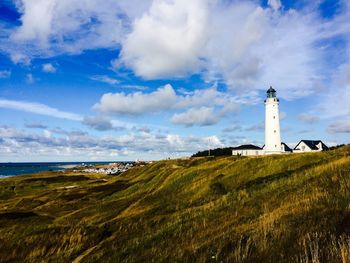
[124, 80]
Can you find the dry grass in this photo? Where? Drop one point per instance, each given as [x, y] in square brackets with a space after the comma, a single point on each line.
[288, 208]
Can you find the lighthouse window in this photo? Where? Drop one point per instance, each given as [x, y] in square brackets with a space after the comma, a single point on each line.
[274, 131]
[274, 117]
[275, 146]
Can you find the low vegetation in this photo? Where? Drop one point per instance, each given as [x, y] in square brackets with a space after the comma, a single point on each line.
[214, 152]
[285, 208]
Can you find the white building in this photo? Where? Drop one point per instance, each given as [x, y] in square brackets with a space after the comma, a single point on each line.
[310, 146]
[272, 124]
[248, 149]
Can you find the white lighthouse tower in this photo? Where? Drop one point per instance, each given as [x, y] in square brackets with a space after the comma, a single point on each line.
[272, 124]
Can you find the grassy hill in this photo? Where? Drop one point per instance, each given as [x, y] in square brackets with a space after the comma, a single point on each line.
[286, 208]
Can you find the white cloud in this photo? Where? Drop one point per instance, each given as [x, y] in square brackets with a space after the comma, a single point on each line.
[256, 127]
[203, 97]
[335, 101]
[18, 58]
[30, 79]
[232, 128]
[172, 34]
[190, 144]
[49, 68]
[185, 144]
[230, 106]
[241, 43]
[51, 27]
[282, 115]
[135, 87]
[105, 79]
[35, 125]
[264, 48]
[275, 4]
[203, 116]
[138, 102]
[166, 99]
[47, 134]
[308, 118]
[36, 21]
[38, 108]
[342, 126]
[101, 123]
[229, 55]
[334, 96]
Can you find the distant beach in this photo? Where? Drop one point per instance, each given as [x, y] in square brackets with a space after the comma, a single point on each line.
[13, 169]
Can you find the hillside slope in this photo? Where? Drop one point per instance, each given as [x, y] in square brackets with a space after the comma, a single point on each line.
[287, 208]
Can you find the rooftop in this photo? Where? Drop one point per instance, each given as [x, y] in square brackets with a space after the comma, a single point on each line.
[247, 147]
[313, 144]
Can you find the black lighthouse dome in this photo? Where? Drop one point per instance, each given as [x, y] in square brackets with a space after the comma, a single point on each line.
[271, 92]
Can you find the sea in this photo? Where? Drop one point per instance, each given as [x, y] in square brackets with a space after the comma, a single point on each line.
[12, 169]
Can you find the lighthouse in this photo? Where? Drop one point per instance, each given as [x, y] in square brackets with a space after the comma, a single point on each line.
[272, 124]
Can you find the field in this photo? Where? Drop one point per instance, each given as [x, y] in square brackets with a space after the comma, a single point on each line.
[283, 208]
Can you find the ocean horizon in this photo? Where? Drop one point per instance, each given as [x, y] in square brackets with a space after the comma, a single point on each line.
[8, 169]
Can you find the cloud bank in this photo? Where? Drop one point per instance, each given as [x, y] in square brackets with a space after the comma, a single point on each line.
[240, 43]
[77, 144]
[199, 103]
